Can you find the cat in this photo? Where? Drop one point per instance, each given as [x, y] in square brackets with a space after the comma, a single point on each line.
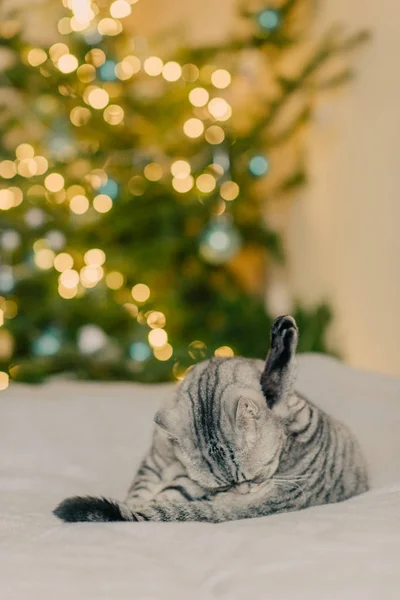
[237, 442]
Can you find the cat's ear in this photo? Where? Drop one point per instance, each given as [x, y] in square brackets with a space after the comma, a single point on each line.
[247, 409]
[162, 420]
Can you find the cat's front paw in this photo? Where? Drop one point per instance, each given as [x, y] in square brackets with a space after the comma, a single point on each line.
[284, 337]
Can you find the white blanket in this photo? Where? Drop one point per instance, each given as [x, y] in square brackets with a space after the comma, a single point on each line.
[68, 438]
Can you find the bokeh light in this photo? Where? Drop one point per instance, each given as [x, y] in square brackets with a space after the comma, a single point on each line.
[199, 96]
[4, 380]
[140, 292]
[79, 204]
[63, 262]
[153, 171]
[44, 258]
[113, 114]
[220, 109]
[109, 27]
[155, 319]
[153, 66]
[171, 71]
[98, 98]
[95, 256]
[36, 57]
[205, 183]
[114, 280]
[86, 73]
[224, 351]
[67, 63]
[80, 115]
[54, 182]
[180, 169]
[163, 353]
[229, 190]
[157, 337]
[24, 151]
[193, 128]
[221, 78]
[69, 278]
[102, 203]
[8, 169]
[183, 185]
[120, 9]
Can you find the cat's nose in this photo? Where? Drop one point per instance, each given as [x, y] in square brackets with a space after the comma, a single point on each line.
[242, 488]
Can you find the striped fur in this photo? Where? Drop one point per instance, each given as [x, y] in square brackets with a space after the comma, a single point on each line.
[237, 442]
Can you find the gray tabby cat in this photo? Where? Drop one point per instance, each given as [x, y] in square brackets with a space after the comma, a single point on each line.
[237, 442]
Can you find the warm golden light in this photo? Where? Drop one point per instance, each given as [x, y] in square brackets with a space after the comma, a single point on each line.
[24, 151]
[229, 190]
[91, 275]
[120, 9]
[27, 167]
[109, 27]
[127, 67]
[4, 381]
[153, 171]
[199, 96]
[163, 353]
[6, 199]
[157, 337]
[86, 73]
[140, 292]
[75, 190]
[137, 185]
[113, 114]
[94, 257]
[205, 183]
[64, 26]
[1, 317]
[95, 57]
[80, 115]
[131, 308]
[69, 278]
[44, 258]
[221, 78]
[155, 319]
[224, 351]
[172, 71]
[180, 169]
[79, 204]
[57, 50]
[102, 203]
[17, 195]
[63, 262]
[220, 109]
[41, 164]
[98, 98]
[153, 66]
[54, 182]
[8, 169]
[183, 185]
[36, 57]
[67, 292]
[67, 63]
[114, 280]
[193, 128]
[190, 73]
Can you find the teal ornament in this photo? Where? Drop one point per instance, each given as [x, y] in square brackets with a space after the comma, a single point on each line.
[219, 241]
[110, 188]
[139, 351]
[258, 165]
[48, 343]
[269, 19]
[107, 71]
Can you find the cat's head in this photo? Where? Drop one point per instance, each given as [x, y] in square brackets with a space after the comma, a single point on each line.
[227, 422]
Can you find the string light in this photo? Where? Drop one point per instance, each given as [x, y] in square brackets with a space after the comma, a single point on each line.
[86, 73]
[69, 278]
[155, 319]
[80, 115]
[220, 109]
[67, 63]
[163, 353]
[98, 98]
[205, 183]
[224, 351]
[57, 50]
[4, 380]
[27, 167]
[140, 292]
[153, 171]
[8, 169]
[79, 204]
[229, 190]
[113, 114]
[193, 128]
[63, 262]
[44, 258]
[153, 66]
[221, 78]
[183, 185]
[95, 257]
[115, 280]
[109, 27]
[199, 96]
[102, 203]
[171, 71]
[157, 337]
[54, 182]
[180, 169]
[120, 9]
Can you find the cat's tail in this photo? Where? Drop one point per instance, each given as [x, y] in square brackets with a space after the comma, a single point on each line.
[89, 508]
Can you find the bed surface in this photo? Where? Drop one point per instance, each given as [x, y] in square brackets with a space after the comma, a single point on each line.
[67, 438]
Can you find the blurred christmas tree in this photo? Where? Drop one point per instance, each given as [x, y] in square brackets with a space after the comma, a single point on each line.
[133, 190]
